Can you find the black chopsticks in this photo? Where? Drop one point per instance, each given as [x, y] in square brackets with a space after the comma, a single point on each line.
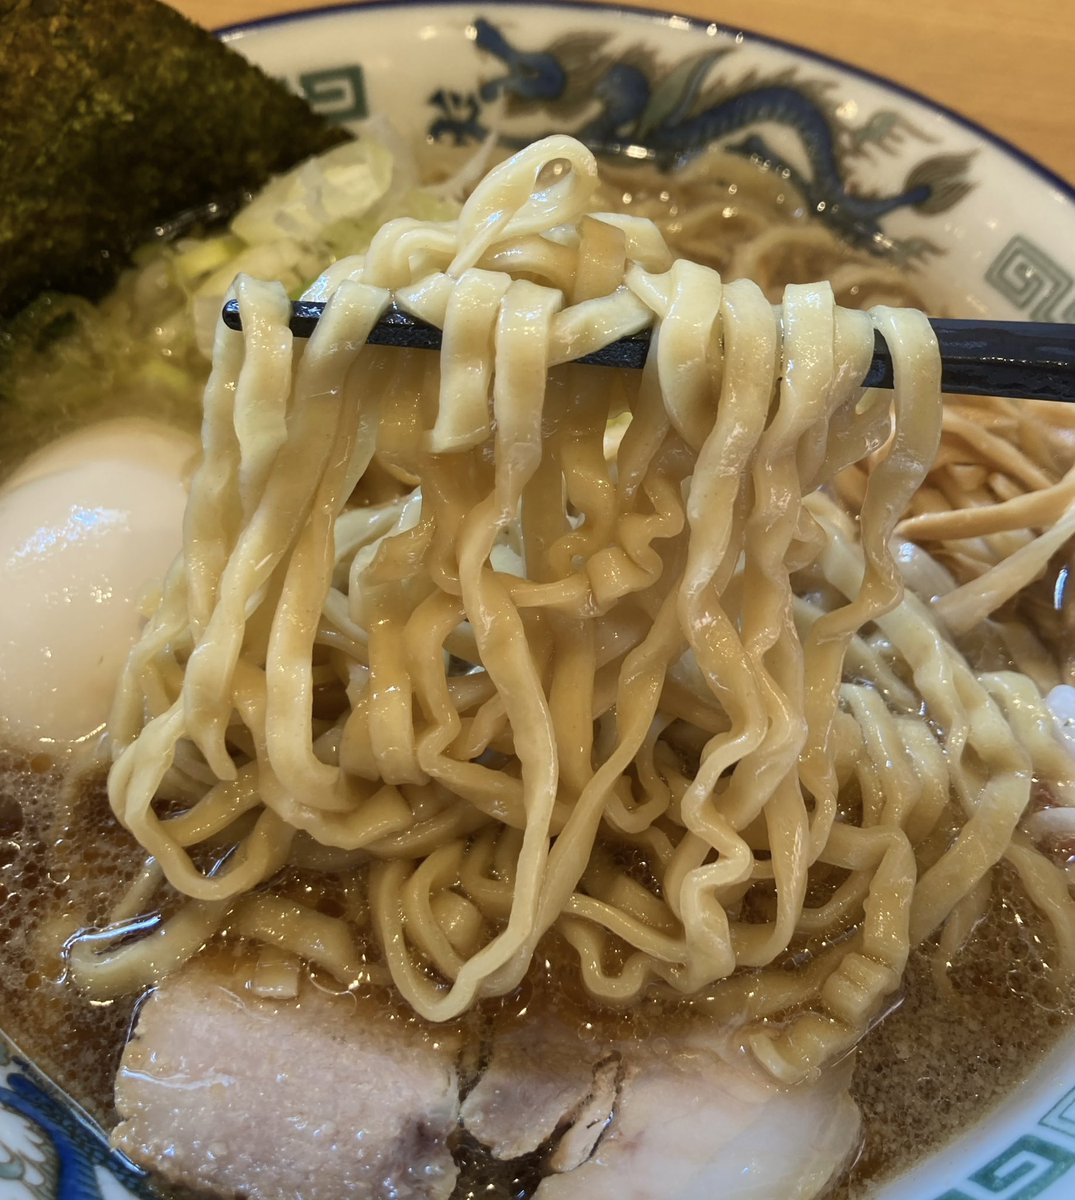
[1021, 359]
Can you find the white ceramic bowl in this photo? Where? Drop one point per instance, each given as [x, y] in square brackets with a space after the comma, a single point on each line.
[988, 231]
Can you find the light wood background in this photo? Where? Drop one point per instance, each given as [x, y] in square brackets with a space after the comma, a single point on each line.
[1008, 64]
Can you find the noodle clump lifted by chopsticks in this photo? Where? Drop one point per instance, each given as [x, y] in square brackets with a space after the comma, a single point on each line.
[523, 645]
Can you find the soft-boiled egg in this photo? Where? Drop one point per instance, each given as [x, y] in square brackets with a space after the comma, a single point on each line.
[87, 526]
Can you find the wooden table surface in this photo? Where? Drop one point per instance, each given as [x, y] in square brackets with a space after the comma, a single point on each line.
[1008, 64]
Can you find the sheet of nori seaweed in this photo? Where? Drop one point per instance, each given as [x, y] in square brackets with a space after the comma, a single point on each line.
[115, 115]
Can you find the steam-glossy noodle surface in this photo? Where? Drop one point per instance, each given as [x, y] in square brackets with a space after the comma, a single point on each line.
[485, 631]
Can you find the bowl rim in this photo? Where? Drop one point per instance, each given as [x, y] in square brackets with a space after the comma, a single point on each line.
[680, 20]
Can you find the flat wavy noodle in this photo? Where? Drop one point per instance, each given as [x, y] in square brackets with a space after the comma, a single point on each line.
[722, 209]
[520, 648]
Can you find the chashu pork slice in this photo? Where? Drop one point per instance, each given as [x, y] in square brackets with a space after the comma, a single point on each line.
[538, 1075]
[680, 1116]
[318, 1098]
[694, 1120]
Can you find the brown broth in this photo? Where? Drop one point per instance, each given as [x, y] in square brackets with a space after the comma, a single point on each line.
[57, 851]
[955, 1049]
[932, 1068]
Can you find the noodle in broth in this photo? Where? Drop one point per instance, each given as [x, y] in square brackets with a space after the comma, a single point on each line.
[639, 694]
[540, 654]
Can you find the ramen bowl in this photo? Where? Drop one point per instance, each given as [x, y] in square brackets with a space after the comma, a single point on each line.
[982, 230]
